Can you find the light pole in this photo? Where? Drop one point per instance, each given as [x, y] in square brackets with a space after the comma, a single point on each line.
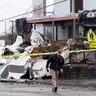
[12, 30]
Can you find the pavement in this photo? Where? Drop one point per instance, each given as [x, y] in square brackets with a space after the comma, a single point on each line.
[44, 88]
[75, 82]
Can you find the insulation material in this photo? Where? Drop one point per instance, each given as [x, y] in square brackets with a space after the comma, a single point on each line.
[16, 68]
[2, 43]
[39, 69]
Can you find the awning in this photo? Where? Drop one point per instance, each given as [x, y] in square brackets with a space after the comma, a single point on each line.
[45, 20]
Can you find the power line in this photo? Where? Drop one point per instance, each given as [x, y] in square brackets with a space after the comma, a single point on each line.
[32, 11]
[28, 9]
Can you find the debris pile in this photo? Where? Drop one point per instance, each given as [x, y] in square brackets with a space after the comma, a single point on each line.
[54, 46]
[26, 66]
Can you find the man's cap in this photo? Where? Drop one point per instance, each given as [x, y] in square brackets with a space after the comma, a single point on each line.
[59, 51]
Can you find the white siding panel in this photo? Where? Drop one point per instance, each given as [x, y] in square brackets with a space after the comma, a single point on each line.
[60, 33]
[89, 4]
[62, 9]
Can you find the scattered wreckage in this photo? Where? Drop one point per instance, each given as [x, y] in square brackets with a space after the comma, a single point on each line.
[17, 63]
[28, 67]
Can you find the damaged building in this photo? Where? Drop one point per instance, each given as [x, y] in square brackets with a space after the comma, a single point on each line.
[64, 28]
[68, 20]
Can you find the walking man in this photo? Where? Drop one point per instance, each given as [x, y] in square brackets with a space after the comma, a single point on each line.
[56, 65]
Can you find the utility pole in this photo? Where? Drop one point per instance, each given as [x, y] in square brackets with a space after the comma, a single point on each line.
[5, 28]
[44, 7]
[12, 31]
[74, 21]
[73, 6]
[53, 30]
[5, 33]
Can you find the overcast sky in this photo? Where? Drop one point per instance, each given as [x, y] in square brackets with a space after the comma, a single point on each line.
[10, 8]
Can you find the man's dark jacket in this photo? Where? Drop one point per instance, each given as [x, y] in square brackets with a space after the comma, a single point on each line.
[56, 63]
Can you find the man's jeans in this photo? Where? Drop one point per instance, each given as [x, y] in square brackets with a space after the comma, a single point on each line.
[54, 77]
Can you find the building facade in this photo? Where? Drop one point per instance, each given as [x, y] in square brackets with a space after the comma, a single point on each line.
[40, 11]
[62, 23]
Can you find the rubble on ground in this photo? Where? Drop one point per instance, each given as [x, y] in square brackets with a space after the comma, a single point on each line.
[22, 66]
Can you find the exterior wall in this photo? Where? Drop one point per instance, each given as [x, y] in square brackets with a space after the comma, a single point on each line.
[39, 28]
[49, 10]
[62, 8]
[48, 32]
[89, 4]
[62, 33]
[38, 13]
[66, 32]
[37, 5]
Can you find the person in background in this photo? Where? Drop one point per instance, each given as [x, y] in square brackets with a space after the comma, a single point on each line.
[56, 63]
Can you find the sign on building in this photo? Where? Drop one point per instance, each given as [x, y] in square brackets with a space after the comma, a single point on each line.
[37, 10]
